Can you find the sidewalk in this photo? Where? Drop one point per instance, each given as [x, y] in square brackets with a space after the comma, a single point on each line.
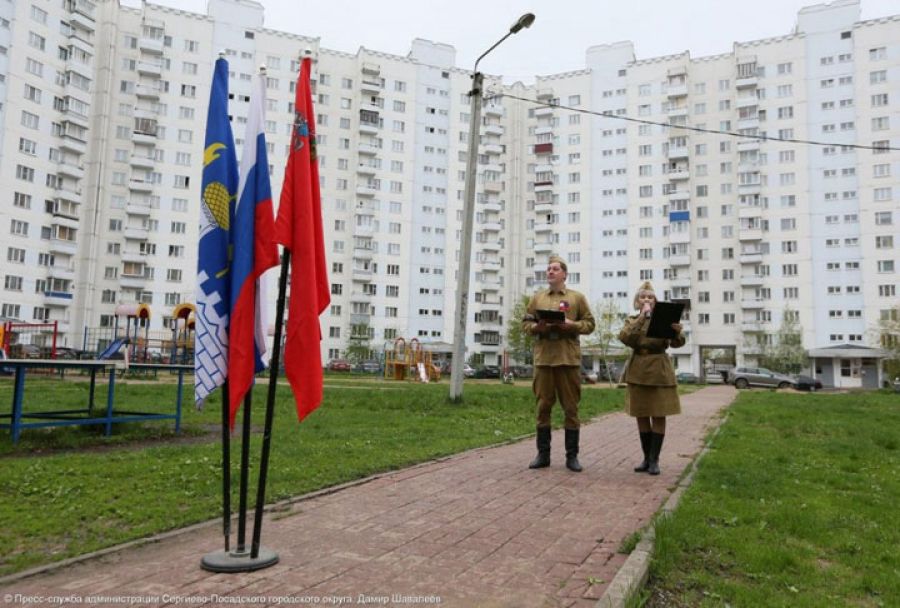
[477, 529]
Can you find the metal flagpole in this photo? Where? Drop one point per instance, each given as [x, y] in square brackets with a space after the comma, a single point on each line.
[255, 551]
[226, 470]
[245, 468]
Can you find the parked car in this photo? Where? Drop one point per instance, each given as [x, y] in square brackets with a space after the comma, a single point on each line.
[808, 383]
[24, 351]
[687, 378]
[487, 371]
[522, 371]
[368, 367]
[743, 377]
[588, 376]
[339, 365]
[468, 371]
[4, 370]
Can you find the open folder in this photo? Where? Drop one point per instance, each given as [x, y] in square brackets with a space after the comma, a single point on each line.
[551, 316]
[664, 314]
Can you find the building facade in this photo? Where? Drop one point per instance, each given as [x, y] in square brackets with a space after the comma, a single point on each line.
[101, 134]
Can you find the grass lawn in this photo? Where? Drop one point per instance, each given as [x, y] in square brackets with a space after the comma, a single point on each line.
[796, 504]
[68, 491]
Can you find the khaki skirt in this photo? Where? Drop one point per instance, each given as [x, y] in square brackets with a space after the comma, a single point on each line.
[642, 401]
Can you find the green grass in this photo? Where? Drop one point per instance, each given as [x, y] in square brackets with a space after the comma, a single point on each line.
[797, 504]
[68, 491]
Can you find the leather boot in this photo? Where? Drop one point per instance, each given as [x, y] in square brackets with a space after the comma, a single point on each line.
[645, 446]
[656, 441]
[572, 463]
[543, 448]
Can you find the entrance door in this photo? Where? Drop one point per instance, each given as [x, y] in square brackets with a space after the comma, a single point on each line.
[850, 376]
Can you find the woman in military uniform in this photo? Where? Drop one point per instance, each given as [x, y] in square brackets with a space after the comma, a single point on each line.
[652, 392]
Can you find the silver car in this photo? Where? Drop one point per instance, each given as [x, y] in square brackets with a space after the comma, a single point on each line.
[743, 377]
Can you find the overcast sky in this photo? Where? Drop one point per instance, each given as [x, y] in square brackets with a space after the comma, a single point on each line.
[557, 41]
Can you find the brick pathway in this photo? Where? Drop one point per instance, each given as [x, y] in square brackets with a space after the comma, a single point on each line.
[477, 529]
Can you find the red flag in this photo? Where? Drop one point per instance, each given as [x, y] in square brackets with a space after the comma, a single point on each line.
[299, 228]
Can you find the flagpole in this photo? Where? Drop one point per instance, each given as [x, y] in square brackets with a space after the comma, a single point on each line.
[245, 467]
[226, 470]
[270, 404]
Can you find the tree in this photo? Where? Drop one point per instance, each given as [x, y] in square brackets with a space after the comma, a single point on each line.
[888, 336]
[359, 348]
[518, 341]
[786, 355]
[605, 338]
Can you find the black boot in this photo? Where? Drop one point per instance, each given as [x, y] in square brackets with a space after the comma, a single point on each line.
[543, 447]
[645, 446]
[572, 450]
[656, 441]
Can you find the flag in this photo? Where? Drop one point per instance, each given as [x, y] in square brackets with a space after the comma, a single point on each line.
[219, 186]
[299, 228]
[254, 252]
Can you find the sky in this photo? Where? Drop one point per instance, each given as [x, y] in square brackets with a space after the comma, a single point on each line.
[556, 42]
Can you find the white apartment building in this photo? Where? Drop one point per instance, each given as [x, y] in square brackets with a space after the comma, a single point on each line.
[102, 119]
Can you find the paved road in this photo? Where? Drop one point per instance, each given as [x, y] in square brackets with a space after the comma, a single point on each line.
[477, 529]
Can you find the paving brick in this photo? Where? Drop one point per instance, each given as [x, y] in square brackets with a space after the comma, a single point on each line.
[477, 529]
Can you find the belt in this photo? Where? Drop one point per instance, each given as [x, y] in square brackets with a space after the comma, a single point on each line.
[554, 336]
[647, 351]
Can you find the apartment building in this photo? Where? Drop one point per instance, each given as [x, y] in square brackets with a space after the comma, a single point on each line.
[101, 134]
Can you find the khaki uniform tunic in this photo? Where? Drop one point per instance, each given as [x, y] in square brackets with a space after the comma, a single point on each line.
[652, 388]
[557, 355]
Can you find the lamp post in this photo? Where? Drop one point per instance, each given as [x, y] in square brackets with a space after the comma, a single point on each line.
[465, 252]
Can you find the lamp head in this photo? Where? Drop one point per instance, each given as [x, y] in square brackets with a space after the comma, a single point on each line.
[524, 21]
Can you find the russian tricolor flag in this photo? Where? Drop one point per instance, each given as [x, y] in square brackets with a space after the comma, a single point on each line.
[254, 252]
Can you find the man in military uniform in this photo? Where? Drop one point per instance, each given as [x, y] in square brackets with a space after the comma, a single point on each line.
[557, 359]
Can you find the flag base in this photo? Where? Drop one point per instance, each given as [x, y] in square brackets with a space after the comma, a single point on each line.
[238, 561]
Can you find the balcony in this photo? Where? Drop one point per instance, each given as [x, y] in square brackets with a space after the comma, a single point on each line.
[372, 69]
[147, 91]
[70, 143]
[153, 46]
[82, 14]
[495, 187]
[63, 246]
[746, 82]
[679, 195]
[367, 230]
[136, 234]
[543, 227]
[543, 207]
[749, 189]
[677, 90]
[748, 123]
[491, 226]
[139, 185]
[680, 283]
[489, 245]
[746, 102]
[543, 148]
[138, 208]
[491, 286]
[65, 221]
[752, 280]
[57, 298]
[369, 128]
[362, 253]
[493, 130]
[546, 186]
[136, 257]
[748, 212]
[368, 149]
[543, 111]
[64, 273]
[492, 148]
[371, 86]
[753, 304]
[750, 234]
[750, 258]
[361, 296]
[492, 207]
[492, 110]
[678, 112]
[678, 152]
[70, 170]
[362, 274]
[489, 304]
[149, 68]
[141, 161]
[746, 145]
[543, 247]
[489, 265]
[679, 175]
[682, 236]
[753, 326]
[133, 281]
[680, 260]
[147, 139]
[365, 169]
[366, 190]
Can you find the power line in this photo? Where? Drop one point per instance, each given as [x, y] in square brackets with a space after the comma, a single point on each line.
[689, 128]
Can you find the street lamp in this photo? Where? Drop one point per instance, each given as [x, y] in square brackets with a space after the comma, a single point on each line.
[465, 252]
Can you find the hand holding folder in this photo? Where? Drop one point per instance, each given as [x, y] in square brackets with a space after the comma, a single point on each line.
[664, 315]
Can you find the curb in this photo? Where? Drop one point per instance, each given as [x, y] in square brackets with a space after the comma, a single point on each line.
[633, 574]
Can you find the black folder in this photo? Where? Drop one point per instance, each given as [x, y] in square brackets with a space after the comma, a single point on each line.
[664, 314]
[551, 316]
